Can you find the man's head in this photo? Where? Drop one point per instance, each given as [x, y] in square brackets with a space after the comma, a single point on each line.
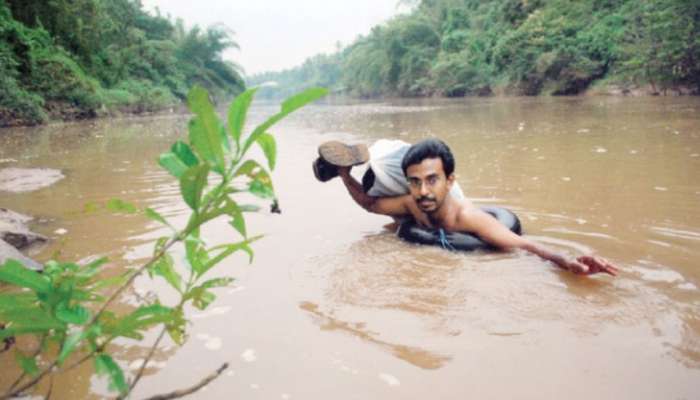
[428, 167]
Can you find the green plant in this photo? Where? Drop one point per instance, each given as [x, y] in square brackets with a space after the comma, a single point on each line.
[64, 307]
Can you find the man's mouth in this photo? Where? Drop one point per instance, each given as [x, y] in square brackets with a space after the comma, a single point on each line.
[425, 203]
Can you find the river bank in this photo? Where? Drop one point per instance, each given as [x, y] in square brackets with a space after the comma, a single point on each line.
[61, 112]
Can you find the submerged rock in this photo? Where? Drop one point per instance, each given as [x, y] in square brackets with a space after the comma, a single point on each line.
[13, 230]
[8, 252]
[19, 180]
[15, 236]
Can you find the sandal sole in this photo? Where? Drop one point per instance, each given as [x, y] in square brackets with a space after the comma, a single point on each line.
[343, 155]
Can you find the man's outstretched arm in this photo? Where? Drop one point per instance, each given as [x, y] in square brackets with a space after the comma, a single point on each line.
[493, 232]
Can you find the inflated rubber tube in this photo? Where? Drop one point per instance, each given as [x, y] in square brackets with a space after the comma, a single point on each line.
[410, 231]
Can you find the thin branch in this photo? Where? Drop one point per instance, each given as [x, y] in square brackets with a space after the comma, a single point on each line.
[36, 353]
[147, 359]
[190, 228]
[184, 392]
[48, 394]
[42, 374]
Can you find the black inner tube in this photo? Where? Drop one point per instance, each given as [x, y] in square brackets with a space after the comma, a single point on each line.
[410, 231]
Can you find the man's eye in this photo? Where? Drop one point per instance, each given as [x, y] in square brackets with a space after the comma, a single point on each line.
[432, 180]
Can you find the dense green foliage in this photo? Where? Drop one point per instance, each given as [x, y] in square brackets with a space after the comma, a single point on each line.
[477, 47]
[73, 58]
[64, 307]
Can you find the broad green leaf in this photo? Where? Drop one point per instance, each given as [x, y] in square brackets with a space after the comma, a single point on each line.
[299, 100]
[261, 182]
[269, 147]
[77, 314]
[201, 298]
[230, 208]
[192, 183]
[172, 163]
[155, 216]
[238, 223]
[119, 205]
[193, 249]
[223, 136]
[105, 365]
[13, 272]
[237, 113]
[16, 300]
[32, 319]
[216, 282]
[184, 153]
[22, 330]
[142, 318]
[253, 170]
[205, 129]
[72, 341]
[288, 106]
[28, 364]
[176, 327]
[165, 267]
[227, 250]
[260, 189]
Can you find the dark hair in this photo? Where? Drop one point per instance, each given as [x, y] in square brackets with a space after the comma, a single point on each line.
[429, 148]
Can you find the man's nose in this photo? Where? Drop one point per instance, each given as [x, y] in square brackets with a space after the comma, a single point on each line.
[424, 189]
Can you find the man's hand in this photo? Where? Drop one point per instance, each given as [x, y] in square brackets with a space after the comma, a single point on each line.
[589, 265]
[420, 217]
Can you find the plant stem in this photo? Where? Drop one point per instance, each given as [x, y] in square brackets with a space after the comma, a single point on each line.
[179, 237]
[146, 360]
[184, 392]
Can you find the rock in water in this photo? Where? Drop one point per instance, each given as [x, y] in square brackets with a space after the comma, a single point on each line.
[28, 179]
[9, 252]
[15, 236]
[14, 231]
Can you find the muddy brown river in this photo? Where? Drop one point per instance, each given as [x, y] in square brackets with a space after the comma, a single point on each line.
[334, 306]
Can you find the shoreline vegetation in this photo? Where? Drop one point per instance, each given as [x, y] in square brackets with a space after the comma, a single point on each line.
[79, 59]
[458, 48]
[82, 59]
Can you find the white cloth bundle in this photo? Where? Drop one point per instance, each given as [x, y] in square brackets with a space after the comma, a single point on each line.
[385, 160]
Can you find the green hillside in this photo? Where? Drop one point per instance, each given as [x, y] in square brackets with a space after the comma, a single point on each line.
[81, 58]
[518, 47]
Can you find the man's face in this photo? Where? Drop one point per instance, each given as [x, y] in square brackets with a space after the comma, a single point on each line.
[428, 184]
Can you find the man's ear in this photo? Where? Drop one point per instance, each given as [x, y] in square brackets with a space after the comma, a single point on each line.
[451, 180]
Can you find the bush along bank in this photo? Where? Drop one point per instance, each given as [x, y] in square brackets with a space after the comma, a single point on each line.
[84, 58]
[515, 47]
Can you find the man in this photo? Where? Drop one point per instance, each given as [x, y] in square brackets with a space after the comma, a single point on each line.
[428, 168]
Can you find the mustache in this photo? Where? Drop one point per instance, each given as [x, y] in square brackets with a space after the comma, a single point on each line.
[425, 198]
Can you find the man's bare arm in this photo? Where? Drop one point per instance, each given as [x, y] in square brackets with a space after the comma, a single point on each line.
[398, 206]
[355, 190]
[493, 232]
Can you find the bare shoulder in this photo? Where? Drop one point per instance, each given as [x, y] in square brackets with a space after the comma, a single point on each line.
[469, 217]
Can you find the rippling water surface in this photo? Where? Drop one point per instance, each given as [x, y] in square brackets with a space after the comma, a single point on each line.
[334, 306]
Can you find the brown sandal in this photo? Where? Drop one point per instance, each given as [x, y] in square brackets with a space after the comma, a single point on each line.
[343, 155]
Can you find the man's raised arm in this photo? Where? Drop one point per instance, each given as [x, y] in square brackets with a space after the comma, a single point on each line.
[398, 206]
